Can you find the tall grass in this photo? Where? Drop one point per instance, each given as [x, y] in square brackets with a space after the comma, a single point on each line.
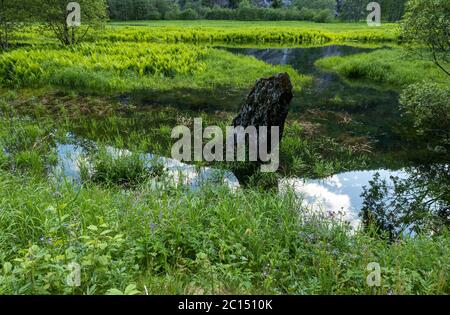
[118, 67]
[232, 32]
[386, 66]
[248, 32]
[33, 66]
[212, 241]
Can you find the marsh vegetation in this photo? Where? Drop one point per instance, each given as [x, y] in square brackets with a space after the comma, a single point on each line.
[362, 102]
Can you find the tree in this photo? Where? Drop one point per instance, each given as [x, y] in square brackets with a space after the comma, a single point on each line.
[276, 4]
[53, 14]
[427, 23]
[13, 14]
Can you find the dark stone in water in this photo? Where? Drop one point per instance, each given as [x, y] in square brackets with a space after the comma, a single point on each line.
[267, 104]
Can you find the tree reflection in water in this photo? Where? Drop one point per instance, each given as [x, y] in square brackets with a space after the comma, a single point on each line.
[417, 203]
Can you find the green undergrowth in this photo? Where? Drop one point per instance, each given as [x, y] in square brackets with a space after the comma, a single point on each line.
[232, 32]
[245, 32]
[210, 241]
[119, 67]
[390, 67]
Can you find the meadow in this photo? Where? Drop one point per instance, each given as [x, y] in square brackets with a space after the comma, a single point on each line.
[127, 86]
[233, 32]
[119, 67]
[389, 67]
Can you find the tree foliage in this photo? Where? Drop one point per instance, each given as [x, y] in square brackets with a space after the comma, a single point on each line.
[311, 10]
[13, 14]
[427, 23]
[355, 10]
[427, 105]
[53, 14]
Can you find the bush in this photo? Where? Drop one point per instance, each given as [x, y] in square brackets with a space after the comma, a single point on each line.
[306, 14]
[269, 14]
[323, 16]
[247, 14]
[153, 14]
[427, 105]
[172, 14]
[117, 168]
[188, 14]
[293, 15]
[218, 13]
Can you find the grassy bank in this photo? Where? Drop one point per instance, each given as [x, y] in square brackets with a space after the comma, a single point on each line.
[119, 67]
[388, 66]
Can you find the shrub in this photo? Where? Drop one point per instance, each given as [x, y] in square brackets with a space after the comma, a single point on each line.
[188, 14]
[427, 105]
[323, 16]
[247, 14]
[218, 13]
[270, 14]
[119, 168]
[306, 14]
[293, 15]
[172, 14]
[153, 14]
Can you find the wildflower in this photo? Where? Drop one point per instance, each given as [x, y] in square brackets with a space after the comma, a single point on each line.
[57, 194]
[152, 227]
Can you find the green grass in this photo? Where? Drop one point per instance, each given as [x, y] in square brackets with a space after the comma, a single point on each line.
[212, 241]
[118, 67]
[232, 32]
[299, 32]
[115, 167]
[387, 66]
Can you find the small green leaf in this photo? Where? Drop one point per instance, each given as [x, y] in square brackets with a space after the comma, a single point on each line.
[114, 292]
[7, 267]
[92, 228]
